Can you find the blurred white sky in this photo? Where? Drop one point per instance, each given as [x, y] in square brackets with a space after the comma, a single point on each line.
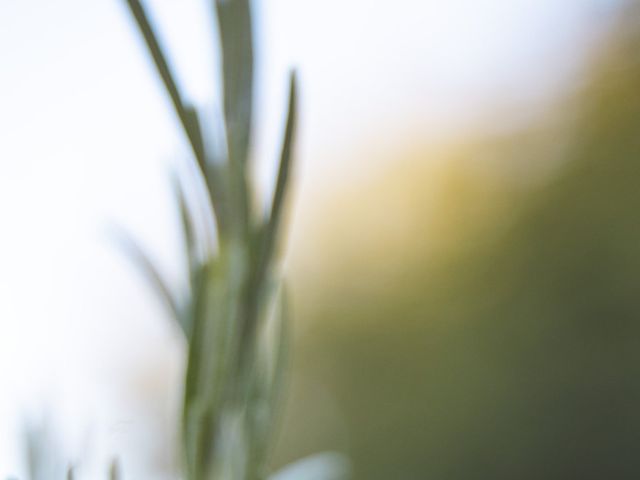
[87, 138]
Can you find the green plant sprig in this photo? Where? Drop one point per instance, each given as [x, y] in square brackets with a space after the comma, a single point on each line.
[234, 373]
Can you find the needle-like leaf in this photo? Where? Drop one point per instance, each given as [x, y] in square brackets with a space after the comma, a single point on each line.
[138, 256]
[185, 113]
[269, 234]
[236, 41]
[188, 228]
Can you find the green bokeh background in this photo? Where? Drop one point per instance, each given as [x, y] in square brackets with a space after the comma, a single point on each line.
[499, 337]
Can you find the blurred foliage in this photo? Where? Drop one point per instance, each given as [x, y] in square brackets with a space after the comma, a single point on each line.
[480, 318]
[234, 313]
[235, 368]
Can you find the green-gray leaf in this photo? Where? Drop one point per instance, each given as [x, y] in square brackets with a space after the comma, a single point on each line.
[138, 256]
[236, 40]
[269, 236]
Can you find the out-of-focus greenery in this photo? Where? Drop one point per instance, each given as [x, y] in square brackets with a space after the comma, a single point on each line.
[472, 319]
[484, 324]
[236, 357]
[234, 312]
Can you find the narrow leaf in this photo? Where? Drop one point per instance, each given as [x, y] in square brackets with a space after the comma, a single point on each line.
[186, 114]
[269, 236]
[133, 250]
[281, 352]
[269, 375]
[236, 41]
[189, 233]
[193, 130]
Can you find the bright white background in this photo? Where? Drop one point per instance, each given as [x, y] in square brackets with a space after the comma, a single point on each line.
[87, 139]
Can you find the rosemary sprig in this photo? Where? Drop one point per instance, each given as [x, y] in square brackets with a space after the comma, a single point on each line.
[230, 398]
